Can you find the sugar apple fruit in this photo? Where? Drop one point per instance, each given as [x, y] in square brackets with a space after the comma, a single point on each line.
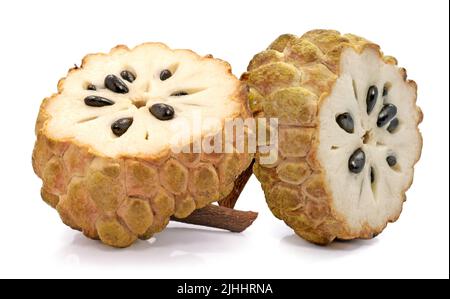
[104, 148]
[348, 135]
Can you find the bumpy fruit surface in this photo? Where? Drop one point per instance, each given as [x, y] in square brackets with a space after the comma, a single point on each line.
[104, 141]
[348, 133]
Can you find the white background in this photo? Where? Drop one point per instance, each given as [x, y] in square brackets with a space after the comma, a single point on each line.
[40, 40]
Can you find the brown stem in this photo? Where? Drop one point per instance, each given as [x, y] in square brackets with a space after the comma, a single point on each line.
[224, 216]
[230, 200]
[220, 217]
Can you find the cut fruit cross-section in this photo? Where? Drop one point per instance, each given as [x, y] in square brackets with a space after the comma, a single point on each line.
[108, 143]
[363, 122]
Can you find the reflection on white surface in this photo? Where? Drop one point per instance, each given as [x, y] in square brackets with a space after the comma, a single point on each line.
[187, 245]
[179, 244]
[337, 248]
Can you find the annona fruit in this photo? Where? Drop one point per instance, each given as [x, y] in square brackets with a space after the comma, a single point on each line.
[104, 148]
[348, 135]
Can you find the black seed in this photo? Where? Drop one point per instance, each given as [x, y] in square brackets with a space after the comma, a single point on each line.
[179, 94]
[371, 99]
[372, 175]
[120, 126]
[95, 101]
[162, 111]
[91, 87]
[393, 125]
[391, 160]
[385, 91]
[127, 75]
[345, 121]
[115, 84]
[357, 161]
[165, 74]
[387, 113]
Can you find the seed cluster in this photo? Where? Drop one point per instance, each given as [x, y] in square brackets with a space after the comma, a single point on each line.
[386, 116]
[117, 85]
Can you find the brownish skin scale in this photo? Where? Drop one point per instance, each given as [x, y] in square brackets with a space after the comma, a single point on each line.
[290, 80]
[120, 200]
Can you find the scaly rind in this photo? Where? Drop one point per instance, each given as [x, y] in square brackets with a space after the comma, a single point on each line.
[295, 186]
[120, 200]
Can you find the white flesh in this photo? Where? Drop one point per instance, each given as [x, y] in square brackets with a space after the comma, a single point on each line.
[354, 197]
[208, 82]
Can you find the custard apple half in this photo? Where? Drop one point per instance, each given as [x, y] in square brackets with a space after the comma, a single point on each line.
[105, 141]
[348, 135]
